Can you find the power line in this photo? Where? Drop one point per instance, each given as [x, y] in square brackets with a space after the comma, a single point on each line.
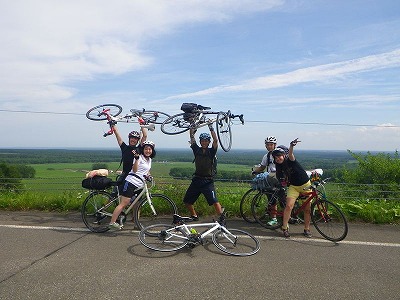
[324, 124]
[247, 121]
[41, 112]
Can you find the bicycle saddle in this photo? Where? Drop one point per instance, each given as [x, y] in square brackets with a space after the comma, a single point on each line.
[200, 107]
[179, 219]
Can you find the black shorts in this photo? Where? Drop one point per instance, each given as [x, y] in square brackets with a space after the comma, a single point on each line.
[200, 186]
[128, 189]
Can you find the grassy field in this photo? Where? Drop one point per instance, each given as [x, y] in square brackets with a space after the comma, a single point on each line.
[58, 187]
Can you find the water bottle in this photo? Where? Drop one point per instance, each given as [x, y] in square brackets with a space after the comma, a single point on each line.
[193, 231]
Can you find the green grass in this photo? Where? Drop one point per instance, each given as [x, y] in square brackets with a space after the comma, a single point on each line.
[57, 187]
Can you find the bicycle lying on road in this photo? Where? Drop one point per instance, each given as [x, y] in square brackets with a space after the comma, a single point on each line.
[166, 238]
[147, 208]
[111, 113]
[196, 116]
[326, 216]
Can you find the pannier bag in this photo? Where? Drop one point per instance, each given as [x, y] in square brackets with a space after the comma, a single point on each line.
[188, 107]
[264, 181]
[96, 183]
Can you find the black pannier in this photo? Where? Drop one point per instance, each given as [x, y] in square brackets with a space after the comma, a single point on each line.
[96, 183]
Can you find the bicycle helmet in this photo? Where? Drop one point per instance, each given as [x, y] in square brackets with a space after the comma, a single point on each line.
[280, 150]
[134, 134]
[205, 136]
[149, 143]
[270, 139]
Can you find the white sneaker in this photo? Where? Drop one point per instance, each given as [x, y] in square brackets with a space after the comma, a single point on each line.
[273, 222]
[114, 226]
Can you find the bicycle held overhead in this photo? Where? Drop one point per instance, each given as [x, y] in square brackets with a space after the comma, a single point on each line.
[112, 114]
[195, 116]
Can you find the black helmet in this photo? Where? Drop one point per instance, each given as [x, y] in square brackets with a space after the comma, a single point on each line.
[280, 150]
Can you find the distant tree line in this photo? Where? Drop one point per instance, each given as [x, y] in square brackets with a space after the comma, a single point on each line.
[10, 176]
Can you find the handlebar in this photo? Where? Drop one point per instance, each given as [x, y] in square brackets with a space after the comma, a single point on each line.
[241, 118]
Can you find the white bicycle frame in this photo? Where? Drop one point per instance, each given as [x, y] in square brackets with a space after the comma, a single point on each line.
[132, 119]
[145, 190]
[187, 230]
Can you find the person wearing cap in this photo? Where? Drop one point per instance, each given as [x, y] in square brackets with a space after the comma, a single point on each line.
[297, 180]
[203, 178]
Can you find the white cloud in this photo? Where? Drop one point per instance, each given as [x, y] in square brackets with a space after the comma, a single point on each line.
[51, 43]
[310, 74]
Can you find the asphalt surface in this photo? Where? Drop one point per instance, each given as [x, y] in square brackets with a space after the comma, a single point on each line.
[53, 256]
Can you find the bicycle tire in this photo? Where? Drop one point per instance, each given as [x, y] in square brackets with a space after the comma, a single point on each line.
[157, 237]
[94, 113]
[329, 220]
[176, 124]
[245, 206]
[245, 243]
[263, 213]
[155, 117]
[97, 210]
[165, 209]
[224, 132]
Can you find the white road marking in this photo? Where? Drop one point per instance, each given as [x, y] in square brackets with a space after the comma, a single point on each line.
[362, 243]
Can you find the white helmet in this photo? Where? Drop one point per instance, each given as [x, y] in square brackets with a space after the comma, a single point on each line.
[270, 139]
[149, 143]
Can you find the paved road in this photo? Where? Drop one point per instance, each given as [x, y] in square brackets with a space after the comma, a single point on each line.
[53, 256]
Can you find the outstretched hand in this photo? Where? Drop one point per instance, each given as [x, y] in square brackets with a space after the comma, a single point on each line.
[294, 142]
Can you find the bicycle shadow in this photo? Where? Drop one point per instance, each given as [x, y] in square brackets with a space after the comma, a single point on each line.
[141, 251]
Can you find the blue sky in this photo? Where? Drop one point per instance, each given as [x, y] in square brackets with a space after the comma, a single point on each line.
[326, 72]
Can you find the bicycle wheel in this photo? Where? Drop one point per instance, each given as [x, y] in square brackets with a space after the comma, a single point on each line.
[245, 206]
[164, 209]
[155, 117]
[329, 220]
[95, 113]
[224, 130]
[266, 209]
[162, 237]
[235, 242]
[177, 124]
[97, 210]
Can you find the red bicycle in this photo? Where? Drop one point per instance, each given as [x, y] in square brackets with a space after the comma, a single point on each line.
[327, 218]
[112, 114]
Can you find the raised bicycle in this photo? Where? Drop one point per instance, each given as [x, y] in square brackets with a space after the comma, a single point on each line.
[167, 238]
[112, 114]
[326, 216]
[196, 116]
[148, 208]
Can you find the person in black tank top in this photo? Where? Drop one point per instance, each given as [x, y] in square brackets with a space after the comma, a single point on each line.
[289, 170]
[203, 177]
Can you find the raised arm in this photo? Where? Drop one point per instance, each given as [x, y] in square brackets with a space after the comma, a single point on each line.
[191, 134]
[144, 135]
[292, 144]
[117, 135]
[214, 136]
